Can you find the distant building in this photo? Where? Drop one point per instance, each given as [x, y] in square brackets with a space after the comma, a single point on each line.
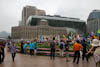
[93, 21]
[31, 32]
[35, 23]
[20, 23]
[29, 11]
[57, 21]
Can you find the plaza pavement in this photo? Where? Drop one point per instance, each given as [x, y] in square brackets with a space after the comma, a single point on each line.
[22, 60]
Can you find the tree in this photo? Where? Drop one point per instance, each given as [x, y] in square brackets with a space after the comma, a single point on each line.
[9, 37]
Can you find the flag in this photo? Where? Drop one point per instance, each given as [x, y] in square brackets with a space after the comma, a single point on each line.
[64, 37]
[97, 34]
[57, 37]
[99, 31]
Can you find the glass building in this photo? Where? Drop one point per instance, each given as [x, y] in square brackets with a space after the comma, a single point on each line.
[33, 25]
[72, 24]
[93, 21]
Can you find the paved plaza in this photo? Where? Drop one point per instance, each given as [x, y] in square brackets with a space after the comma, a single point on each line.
[22, 60]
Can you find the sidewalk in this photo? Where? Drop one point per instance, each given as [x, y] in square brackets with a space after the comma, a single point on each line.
[22, 60]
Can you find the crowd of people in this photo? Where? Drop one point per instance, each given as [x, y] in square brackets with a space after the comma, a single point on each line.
[78, 45]
[32, 47]
[11, 46]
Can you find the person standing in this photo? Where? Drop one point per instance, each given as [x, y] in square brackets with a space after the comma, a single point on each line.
[3, 51]
[24, 47]
[66, 50]
[35, 47]
[84, 51]
[96, 47]
[0, 54]
[61, 46]
[52, 49]
[13, 50]
[76, 47]
[8, 43]
[21, 46]
[3, 42]
[31, 48]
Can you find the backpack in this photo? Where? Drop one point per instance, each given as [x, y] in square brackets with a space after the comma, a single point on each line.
[52, 44]
[66, 47]
[61, 46]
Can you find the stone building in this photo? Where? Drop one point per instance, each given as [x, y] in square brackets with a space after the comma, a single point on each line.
[31, 32]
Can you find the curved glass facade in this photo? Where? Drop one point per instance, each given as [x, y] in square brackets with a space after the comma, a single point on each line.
[76, 25]
[94, 15]
[93, 21]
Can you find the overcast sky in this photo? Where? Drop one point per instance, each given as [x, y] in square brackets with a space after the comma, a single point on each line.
[10, 10]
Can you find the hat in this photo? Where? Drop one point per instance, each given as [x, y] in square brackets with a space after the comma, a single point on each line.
[95, 42]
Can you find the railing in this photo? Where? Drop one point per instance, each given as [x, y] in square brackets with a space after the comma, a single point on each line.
[46, 51]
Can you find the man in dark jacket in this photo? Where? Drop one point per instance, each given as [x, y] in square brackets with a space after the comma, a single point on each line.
[2, 52]
[53, 48]
[21, 46]
[84, 44]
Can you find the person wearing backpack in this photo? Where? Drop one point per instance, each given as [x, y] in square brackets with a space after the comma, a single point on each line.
[52, 49]
[61, 46]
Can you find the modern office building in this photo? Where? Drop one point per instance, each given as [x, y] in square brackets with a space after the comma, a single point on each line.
[36, 24]
[93, 21]
[29, 11]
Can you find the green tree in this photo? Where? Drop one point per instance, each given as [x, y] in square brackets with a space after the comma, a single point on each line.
[9, 37]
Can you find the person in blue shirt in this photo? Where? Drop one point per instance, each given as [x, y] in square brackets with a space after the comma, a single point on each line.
[24, 47]
[84, 44]
[35, 46]
[31, 45]
[61, 46]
